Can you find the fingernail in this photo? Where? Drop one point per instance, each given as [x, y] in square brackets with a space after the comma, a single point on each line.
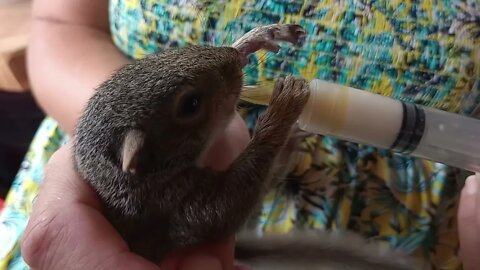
[471, 184]
[201, 262]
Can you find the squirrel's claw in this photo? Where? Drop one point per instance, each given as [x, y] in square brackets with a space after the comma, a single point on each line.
[267, 37]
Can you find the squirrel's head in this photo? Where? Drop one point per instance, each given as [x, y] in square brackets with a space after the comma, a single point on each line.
[192, 92]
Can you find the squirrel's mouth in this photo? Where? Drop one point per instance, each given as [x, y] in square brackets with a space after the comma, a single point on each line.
[217, 141]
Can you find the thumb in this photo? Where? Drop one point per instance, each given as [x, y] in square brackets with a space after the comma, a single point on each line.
[66, 229]
[469, 222]
[201, 262]
[212, 256]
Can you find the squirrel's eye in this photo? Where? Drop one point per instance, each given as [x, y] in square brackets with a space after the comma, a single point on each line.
[189, 105]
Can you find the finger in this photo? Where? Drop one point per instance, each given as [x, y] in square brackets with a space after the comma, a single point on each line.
[201, 262]
[469, 222]
[223, 251]
[228, 145]
[62, 184]
[242, 267]
[219, 254]
[79, 239]
[277, 88]
[66, 229]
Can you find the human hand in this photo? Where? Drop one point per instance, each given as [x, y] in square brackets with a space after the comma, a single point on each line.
[469, 223]
[67, 229]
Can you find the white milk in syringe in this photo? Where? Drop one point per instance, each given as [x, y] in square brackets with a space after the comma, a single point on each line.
[363, 117]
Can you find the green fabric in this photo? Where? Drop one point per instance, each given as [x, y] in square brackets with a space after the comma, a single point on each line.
[425, 52]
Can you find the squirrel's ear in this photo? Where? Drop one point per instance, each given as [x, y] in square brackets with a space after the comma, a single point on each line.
[132, 143]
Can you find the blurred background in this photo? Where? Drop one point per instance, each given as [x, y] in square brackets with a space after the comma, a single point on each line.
[19, 114]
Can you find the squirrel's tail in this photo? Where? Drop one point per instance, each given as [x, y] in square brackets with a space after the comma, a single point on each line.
[315, 251]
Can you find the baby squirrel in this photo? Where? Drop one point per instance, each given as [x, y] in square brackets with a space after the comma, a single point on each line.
[142, 137]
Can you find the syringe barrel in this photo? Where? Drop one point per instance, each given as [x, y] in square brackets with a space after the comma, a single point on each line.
[367, 118]
[450, 139]
[351, 114]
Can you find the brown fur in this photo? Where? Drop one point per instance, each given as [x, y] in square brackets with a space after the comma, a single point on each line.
[166, 201]
[143, 135]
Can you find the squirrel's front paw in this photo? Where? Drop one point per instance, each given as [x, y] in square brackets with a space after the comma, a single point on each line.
[288, 100]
